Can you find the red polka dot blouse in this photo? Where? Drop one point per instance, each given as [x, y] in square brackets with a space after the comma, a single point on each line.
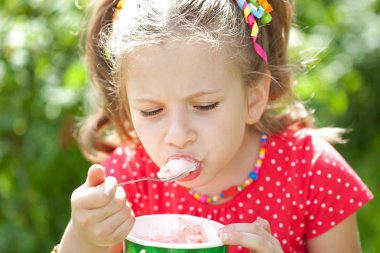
[304, 189]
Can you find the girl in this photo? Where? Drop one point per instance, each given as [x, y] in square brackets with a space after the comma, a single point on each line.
[209, 81]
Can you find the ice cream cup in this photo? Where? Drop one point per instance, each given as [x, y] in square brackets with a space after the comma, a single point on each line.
[163, 233]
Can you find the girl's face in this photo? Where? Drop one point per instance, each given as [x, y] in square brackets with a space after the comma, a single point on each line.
[187, 100]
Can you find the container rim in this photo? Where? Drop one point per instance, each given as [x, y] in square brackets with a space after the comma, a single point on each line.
[212, 244]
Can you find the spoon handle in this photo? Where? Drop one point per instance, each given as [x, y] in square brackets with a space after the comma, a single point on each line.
[170, 179]
[139, 180]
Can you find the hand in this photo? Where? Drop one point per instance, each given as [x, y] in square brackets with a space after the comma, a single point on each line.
[255, 236]
[101, 216]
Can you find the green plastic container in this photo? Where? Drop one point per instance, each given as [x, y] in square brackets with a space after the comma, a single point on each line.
[160, 233]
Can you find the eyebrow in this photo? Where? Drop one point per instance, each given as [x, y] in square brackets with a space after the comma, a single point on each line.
[190, 96]
[203, 93]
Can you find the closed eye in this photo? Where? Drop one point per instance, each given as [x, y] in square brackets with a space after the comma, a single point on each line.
[151, 113]
[207, 107]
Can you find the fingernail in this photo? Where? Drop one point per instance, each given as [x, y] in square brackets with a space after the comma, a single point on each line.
[261, 222]
[225, 237]
[259, 219]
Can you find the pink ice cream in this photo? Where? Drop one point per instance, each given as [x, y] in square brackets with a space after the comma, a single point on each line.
[176, 167]
[188, 232]
[175, 231]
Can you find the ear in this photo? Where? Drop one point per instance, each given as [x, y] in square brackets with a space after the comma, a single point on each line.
[257, 98]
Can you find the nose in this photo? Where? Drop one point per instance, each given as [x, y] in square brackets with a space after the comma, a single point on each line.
[179, 132]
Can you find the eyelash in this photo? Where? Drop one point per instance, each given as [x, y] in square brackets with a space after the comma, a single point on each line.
[151, 113]
[207, 107]
[198, 107]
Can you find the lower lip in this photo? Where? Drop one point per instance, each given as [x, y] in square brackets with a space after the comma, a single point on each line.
[192, 175]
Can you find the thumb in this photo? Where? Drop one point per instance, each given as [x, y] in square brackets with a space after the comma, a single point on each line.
[95, 175]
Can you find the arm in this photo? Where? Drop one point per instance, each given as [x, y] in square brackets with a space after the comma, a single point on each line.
[71, 243]
[344, 237]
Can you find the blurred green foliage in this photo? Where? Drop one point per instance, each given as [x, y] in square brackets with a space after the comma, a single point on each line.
[342, 84]
[42, 86]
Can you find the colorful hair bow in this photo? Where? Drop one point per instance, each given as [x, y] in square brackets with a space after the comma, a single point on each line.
[258, 9]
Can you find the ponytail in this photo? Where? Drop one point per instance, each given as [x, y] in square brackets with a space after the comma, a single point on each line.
[93, 135]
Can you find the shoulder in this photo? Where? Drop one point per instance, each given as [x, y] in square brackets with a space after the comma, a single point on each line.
[311, 162]
[309, 153]
[319, 178]
[296, 136]
[304, 142]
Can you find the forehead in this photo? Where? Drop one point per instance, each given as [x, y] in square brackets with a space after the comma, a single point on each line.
[180, 62]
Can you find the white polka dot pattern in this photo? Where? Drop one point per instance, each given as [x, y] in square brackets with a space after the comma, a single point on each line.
[304, 189]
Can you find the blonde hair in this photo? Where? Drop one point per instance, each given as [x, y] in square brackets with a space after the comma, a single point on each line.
[143, 23]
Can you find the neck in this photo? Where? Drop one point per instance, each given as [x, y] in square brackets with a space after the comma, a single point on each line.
[237, 170]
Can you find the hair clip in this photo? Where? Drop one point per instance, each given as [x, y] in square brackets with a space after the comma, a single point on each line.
[264, 3]
[118, 7]
[259, 9]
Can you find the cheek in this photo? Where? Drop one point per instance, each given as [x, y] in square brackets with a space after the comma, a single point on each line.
[143, 128]
[231, 120]
[230, 135]
[149, 138]
[225, 133]
[233, 127]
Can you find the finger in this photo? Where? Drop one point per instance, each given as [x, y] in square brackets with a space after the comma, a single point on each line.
[259, 222]
[264, 224]
[116, 248]
[252, 228]
[115, 205]
[107, 227]
[95, 175]
[94, 197]
[121, 232]
[257, 243]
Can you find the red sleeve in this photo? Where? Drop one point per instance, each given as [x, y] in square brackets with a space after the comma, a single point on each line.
[334, 189]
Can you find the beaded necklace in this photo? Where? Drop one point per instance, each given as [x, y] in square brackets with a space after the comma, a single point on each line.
[234, 190]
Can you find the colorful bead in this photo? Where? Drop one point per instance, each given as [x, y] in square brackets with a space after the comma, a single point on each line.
[253, 175]
[234, 190]
[203, 198]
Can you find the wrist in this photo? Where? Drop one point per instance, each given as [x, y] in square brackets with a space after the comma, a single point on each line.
[72, 242]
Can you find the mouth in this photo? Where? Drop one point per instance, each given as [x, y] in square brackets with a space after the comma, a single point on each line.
[194, 172]
[192, 175]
